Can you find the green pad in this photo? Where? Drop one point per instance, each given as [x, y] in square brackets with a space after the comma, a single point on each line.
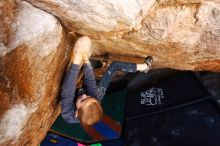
[113, 107]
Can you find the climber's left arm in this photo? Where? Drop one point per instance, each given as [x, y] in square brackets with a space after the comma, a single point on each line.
[89, 80]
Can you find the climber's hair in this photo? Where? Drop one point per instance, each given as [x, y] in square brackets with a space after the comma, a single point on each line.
[90, 112]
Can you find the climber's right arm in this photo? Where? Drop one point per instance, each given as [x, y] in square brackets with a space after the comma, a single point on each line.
[68, 88]
[68, 94]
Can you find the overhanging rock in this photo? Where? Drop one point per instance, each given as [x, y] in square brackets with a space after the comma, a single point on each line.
[33, 58]
[181, 34]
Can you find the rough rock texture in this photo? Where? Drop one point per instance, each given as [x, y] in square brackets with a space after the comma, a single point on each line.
[180, 34]
[33, 54]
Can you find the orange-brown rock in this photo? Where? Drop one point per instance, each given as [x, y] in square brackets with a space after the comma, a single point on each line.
[180, 34]
[33, 55]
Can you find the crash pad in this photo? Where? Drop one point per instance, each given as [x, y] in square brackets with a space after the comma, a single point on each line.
[109, 128]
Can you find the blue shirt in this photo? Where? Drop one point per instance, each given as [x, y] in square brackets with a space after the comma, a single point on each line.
[68, 90]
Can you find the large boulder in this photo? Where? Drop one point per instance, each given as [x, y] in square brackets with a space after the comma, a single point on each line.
[180, 34]
[33, 55]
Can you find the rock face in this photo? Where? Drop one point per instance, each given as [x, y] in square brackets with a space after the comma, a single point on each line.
[179, 34]
[33, 57]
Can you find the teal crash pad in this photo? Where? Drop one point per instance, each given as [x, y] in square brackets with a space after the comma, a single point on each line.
[108, 129]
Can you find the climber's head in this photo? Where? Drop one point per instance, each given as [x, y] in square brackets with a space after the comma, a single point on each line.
[88, 110]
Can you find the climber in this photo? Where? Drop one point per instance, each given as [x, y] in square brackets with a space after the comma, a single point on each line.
[85, 107]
